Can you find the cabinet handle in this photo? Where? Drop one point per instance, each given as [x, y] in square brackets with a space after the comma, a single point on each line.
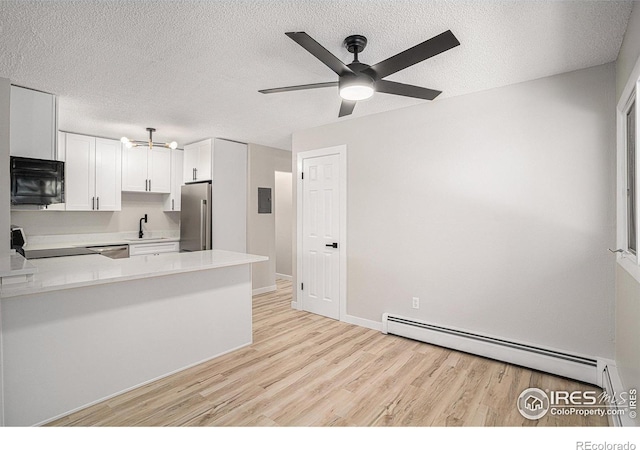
[173, 206]
[203, 224]
[146, 185]
[98, 203]
[193, 172]
[93, 203]
[149, 185]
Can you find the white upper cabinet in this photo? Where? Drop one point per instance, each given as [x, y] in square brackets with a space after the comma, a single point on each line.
[159, 163]
[80, 172]
[108, 175]
[92, 173]
[146, 170]
[134, 169]
[198, 161]
[33, 124]
[172, 202]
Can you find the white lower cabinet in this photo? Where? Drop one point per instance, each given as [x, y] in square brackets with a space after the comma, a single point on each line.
[172, 202]
[92, 173]
[153, 248]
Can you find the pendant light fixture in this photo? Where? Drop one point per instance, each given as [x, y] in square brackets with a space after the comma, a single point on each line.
[131, 143]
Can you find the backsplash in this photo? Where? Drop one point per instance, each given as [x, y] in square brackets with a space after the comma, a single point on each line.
[134, 206]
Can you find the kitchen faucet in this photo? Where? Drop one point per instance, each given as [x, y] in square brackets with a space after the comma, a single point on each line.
[140, 233]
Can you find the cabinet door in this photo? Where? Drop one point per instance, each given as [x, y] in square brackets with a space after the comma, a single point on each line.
[134, 169]
[32, 124]
[172, 202]
[190, 162]
[204, 164]
[79, 183]
[159, 167]
[197, 161]
[108, 175]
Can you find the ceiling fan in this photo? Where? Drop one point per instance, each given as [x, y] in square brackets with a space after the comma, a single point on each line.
[358, 81]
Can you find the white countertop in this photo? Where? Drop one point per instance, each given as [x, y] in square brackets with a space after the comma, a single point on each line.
[87, 270]
[14, 264]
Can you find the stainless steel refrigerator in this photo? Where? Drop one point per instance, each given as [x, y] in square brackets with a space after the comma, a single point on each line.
[195, 217]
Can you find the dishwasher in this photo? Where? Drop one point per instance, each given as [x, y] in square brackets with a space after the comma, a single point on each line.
[112, 251]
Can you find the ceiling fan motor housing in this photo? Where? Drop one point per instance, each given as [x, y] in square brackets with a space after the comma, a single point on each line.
[355, 43]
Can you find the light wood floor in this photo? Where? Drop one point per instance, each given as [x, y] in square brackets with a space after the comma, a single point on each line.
[307, 370]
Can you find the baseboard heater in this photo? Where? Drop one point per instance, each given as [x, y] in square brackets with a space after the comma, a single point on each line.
[551, 361]
[607, 387]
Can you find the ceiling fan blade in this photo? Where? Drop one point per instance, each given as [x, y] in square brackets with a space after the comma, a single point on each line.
[407, 90]
[301, 87]
[432, 47]
[346, 108]
[317, 50]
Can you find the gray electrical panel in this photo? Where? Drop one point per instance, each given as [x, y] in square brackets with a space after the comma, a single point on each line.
[264, 200]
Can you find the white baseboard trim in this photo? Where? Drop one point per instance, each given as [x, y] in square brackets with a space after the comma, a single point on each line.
[281, 276]
[366, 323]
[264, 290]
[294, 305]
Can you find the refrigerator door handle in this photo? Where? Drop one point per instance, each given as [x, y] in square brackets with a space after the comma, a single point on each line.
[203, 224]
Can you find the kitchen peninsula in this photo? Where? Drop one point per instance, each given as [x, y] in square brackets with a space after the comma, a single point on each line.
[85, 328]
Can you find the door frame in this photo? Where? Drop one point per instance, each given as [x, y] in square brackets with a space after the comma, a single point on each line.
[341, 151]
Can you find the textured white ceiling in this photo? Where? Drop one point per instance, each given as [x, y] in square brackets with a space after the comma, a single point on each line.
[192, 69]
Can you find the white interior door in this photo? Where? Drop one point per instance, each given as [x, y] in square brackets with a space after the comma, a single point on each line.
[321, 235]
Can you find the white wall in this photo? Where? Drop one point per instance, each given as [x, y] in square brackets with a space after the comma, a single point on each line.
[629, 50]
[5, 198]
[5, 186]
[229, 196]
[261, 228]
[627, 289]
[284, 222]
[495, 209]
[134, 206]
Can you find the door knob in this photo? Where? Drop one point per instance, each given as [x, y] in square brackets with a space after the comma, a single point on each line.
[334, 245]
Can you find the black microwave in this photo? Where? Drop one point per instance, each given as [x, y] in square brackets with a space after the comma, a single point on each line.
[36, 181]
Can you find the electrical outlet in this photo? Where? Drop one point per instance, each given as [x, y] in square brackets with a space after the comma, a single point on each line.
[416, 303]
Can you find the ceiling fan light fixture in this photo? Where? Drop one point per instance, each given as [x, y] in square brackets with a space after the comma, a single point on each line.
[355, 92]
[356, 88]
